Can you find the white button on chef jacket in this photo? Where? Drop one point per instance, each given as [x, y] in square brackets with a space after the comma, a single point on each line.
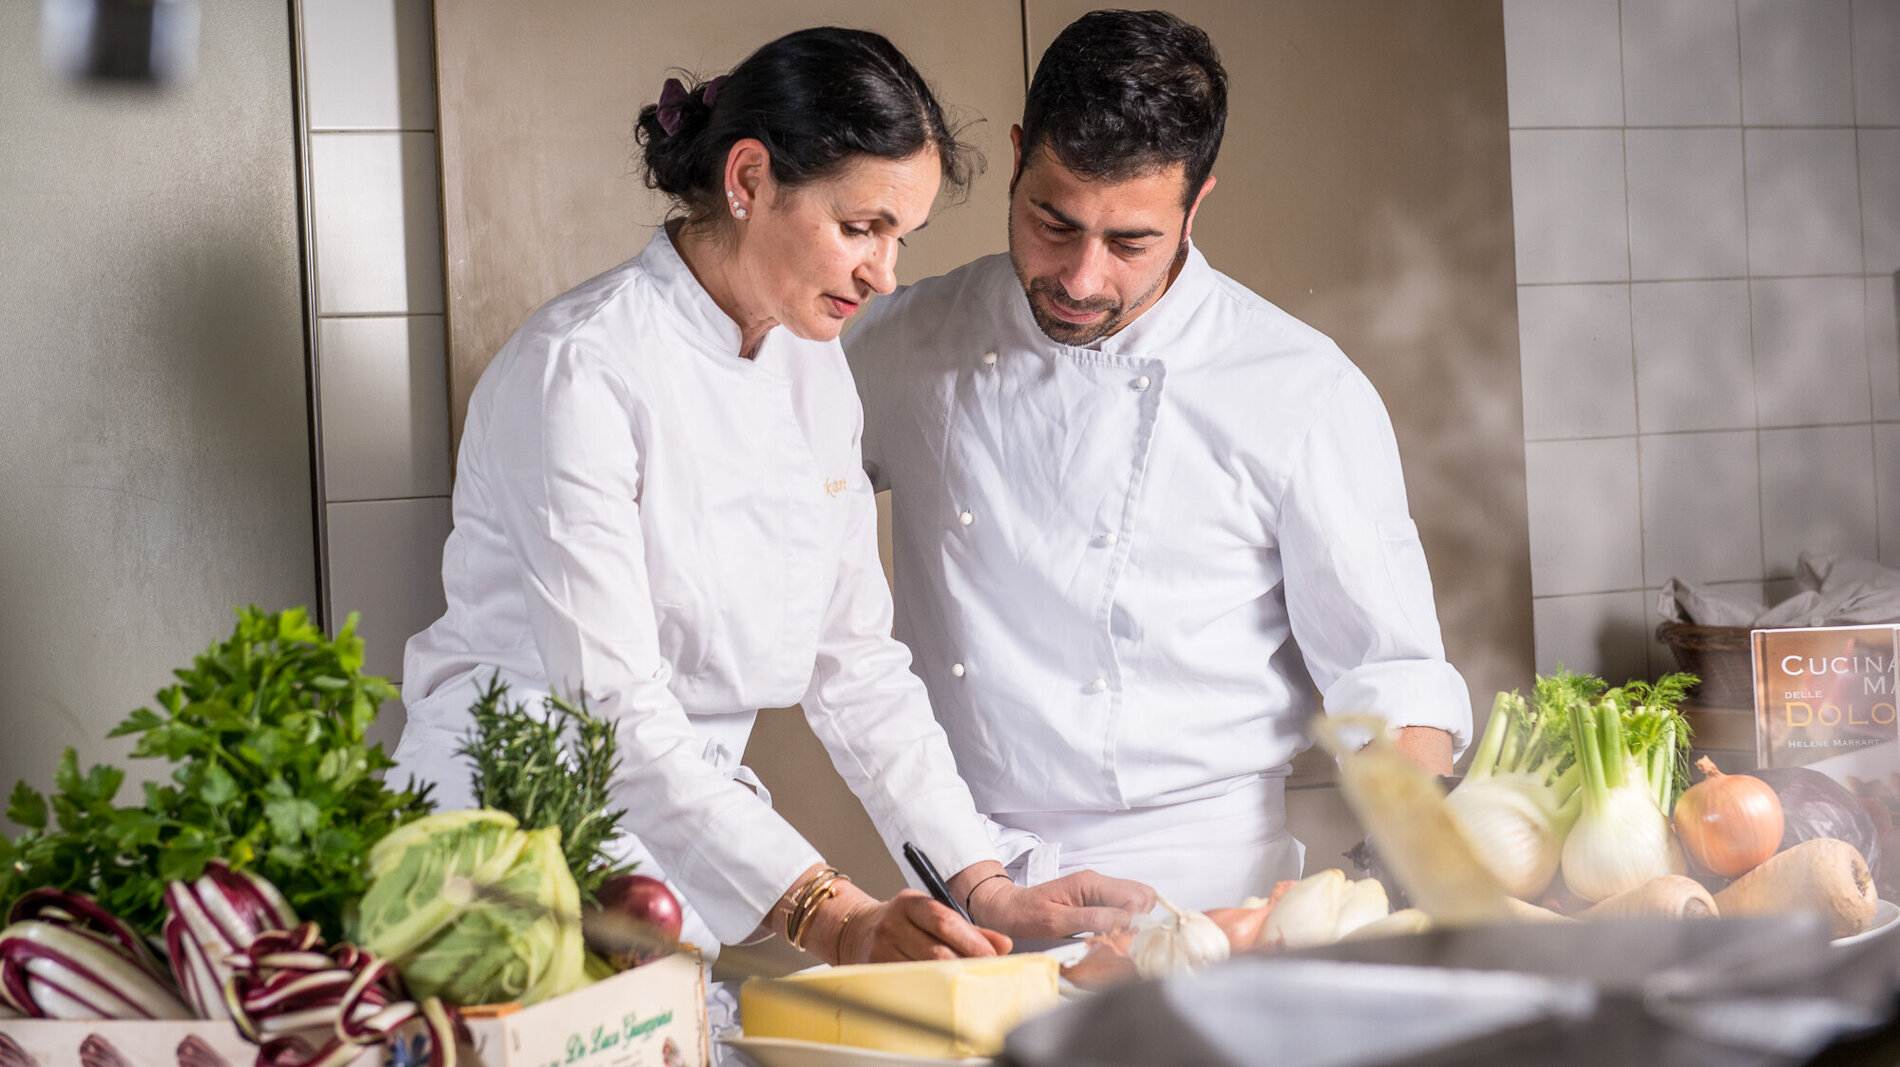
[689, 536]
[1265, 547]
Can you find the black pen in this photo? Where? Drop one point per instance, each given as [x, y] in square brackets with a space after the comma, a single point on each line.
[933, 881]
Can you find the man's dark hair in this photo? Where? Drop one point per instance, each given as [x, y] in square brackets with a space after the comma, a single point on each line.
[1125, 93]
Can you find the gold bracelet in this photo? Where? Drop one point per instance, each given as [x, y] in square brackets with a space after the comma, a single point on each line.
[806, 900]
[808, 906]
[845, 930]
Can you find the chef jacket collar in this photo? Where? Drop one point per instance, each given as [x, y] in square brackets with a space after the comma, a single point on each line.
[673, 280]
[1155, 333]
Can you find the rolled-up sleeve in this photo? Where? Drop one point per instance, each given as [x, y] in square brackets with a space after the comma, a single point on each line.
[873, 715]
[1357, 590]
[566, 440]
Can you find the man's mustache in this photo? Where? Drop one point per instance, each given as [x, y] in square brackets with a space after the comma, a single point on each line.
[1056, 295]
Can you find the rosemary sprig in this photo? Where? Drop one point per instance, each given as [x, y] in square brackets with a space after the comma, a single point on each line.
[548, 770]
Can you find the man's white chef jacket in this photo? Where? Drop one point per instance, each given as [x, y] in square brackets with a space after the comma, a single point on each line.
[688, 536]
[1123, 569]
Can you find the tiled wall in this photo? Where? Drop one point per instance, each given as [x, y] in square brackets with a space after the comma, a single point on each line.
[1707, 196]
[369, 87]
[1707, 201]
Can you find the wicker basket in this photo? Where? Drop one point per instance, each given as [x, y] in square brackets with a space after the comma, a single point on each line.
[1720, 656]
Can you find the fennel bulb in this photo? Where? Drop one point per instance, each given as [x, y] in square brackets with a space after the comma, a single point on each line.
[1514, 807]
[1622, 843]
[1628, 761]
[1515, 826]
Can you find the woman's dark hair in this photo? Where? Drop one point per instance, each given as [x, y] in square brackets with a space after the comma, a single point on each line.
[817, 99]
[1125, 93]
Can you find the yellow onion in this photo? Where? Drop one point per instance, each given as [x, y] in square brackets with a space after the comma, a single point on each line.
[1728, 823]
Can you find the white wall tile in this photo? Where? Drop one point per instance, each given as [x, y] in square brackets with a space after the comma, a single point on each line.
[378, 234]
[386, 563]
[1681, 64]
[1877, 62]
[1803, 202]
[1810, 350]
[1880, 199]
[1604, 634]
[385, 407]
[1795, 63]
[1585, 516]
[1701, 508]
[1574, 342]
[1571, 215]
[1887, 487]
[1883, 345]
[1817, 491]
[1694, 363]
[1776, 590]
[1688, 212]
[1562, 64]
[369, 65]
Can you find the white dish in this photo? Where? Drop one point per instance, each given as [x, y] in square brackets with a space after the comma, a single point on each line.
[789, 1052]
[1885, 913]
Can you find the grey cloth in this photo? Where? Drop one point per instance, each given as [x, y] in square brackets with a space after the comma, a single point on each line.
[1831, 590]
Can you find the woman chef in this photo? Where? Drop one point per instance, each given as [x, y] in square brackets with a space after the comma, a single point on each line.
[660, 503]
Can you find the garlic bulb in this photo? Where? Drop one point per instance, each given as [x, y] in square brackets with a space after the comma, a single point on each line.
[1180, 942]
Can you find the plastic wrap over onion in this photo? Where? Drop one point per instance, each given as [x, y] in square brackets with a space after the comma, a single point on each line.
[1814, 805]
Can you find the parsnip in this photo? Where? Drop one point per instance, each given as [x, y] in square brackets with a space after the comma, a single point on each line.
[1673, 896]
[1525, 911]
[1822, 875]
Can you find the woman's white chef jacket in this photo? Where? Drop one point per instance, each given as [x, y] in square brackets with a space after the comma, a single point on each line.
[688, 536]
[1123, 570]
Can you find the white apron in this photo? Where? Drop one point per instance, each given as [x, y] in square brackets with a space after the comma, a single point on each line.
[1200, 854]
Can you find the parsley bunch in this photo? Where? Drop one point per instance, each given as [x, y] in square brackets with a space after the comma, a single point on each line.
[273, 774]
[553, 769]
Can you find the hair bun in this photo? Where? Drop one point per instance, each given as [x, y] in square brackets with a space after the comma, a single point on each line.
[668, 129]
[816, 98]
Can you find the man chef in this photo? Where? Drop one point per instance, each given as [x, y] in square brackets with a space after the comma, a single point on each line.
[1146, 523]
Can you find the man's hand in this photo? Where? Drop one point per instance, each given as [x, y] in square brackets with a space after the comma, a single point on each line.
[1427, 746]
[1078, 903]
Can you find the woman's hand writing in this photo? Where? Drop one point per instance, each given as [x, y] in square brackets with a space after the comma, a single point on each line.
[851, 926]
[911, 926]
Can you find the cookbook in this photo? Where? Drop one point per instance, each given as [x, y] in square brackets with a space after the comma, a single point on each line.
[1825, 697]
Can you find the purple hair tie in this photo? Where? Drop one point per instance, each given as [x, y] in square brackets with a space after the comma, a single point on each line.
[673, 101]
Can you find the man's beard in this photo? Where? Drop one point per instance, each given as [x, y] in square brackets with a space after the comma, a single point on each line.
[1070, 333]
[1082, 333]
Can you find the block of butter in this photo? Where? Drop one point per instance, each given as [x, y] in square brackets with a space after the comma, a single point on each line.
[977, 1000]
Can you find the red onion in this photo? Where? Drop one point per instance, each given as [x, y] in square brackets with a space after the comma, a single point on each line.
[637, 919]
